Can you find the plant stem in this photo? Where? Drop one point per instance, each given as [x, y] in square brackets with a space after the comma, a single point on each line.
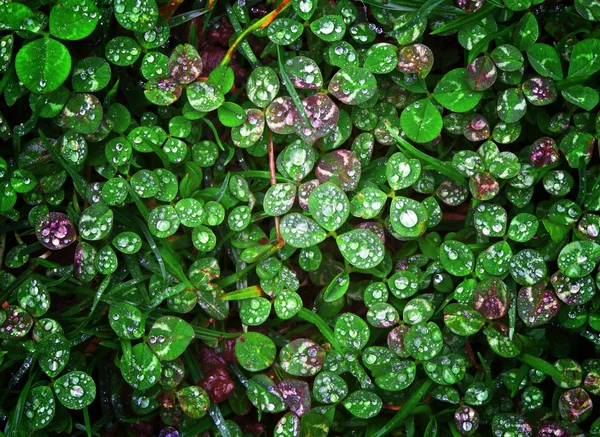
[274, 181]
[582, 195]
[260, 24]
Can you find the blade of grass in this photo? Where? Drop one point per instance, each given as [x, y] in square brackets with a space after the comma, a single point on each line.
[263, 175]
[481, 45]
[291, 90]
[245, 293]
[16, 377]
[541, 365]
[512, 313]
[97, 298]
[223, 188]
[218, 420]
[260, 24]
[238, 373]
[78, 180]
[519, 377]
[594, 337]
[173, 263]
[467, 20]
[12, 427]
[422, 13]
[166, 162]
[413, 6]
[488, 374]
[138, 202]
[403, 413]
[193, 35]
[441, 166]
[135, 271]
[153, 247]
[233, 278]
[316, 320]
[244, 45]
[215, 133]
[88, 424]
[180, 19]
[7, 77]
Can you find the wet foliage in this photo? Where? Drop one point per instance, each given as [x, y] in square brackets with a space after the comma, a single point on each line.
[299, 218]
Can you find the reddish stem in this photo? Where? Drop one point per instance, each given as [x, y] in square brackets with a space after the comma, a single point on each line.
[453, 216]
[274, 181]
[471, 354]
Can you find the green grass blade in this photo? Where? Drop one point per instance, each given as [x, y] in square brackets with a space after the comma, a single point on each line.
[467, 20]
[290, 88]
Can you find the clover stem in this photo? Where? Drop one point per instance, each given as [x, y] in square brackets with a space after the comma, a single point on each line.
[471, 355]
[453, 216]
[18, 238]
[215, 133]
[274, 181]
[581, 196]
[260, 24]
[75, 202]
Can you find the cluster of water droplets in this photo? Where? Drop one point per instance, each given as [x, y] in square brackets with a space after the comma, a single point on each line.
[328, 25]
[164, 220]
[383, 315]
[75, 390]
[279, 199]
[329, 388]
[122, 51]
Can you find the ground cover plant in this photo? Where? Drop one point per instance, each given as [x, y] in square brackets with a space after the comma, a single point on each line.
[299, 218]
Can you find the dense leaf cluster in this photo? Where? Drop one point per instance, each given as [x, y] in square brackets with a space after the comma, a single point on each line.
[299, 218]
